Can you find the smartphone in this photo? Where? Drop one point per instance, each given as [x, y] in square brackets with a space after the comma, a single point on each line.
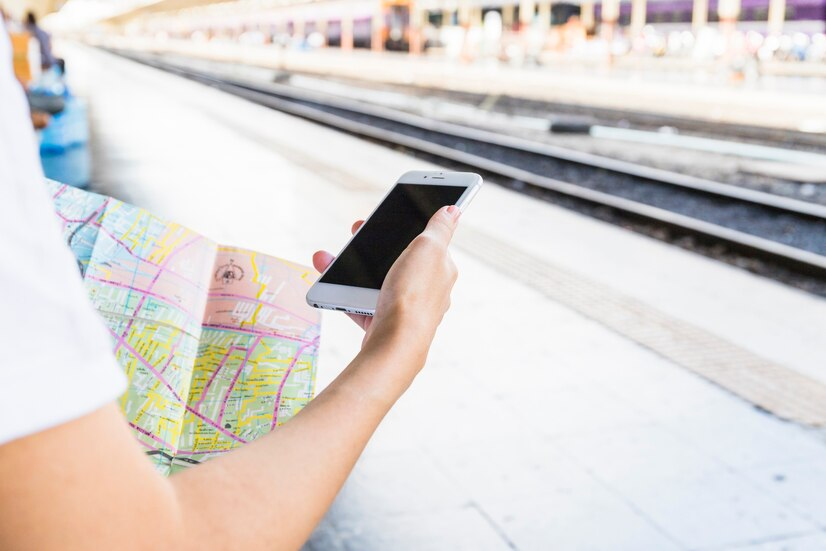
[352, 281]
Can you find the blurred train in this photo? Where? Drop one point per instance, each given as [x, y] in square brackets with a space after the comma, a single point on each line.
[806, 16]
[388, 21]
[325, 19]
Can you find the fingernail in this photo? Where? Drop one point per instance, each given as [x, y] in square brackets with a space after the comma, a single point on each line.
[454, 212]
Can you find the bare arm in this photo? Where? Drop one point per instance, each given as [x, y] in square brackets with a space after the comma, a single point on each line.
[86, 484]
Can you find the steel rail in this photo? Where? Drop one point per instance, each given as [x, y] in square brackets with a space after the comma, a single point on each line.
[559, 153]
[283, 98]
[660, 176]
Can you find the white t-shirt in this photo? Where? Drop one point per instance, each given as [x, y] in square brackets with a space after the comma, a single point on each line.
[56, 361]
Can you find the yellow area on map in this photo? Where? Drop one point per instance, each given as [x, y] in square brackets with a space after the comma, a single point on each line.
[217, 342]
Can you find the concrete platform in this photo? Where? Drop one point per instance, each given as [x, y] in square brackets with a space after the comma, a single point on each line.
[541, 421]
[775, 102]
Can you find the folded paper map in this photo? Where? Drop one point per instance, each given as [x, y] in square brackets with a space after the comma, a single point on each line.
[217, 342]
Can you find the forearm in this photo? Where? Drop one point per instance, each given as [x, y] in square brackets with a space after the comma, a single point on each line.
[279, 487]
[94, 489]
[85, 484]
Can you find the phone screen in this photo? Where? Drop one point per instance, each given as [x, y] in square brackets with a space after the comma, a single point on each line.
[398, 220]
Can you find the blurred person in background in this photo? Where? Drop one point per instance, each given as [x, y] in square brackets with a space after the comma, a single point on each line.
[39, 119]
[43, 38]
[72, 475]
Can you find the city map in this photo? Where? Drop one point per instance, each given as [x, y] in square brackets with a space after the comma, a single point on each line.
[217, 342]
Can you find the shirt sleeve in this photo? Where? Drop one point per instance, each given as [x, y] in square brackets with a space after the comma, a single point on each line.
[56, 360]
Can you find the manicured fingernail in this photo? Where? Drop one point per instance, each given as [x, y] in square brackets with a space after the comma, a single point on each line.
[454, 211]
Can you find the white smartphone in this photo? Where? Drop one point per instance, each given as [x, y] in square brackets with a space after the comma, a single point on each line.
[352, 281]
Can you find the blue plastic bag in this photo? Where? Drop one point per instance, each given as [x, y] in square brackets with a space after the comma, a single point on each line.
[64, 145]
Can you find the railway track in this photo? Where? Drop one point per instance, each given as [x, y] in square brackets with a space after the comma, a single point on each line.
[782, 231]
[774, 137]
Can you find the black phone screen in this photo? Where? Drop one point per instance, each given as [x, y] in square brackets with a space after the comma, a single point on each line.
[398, 220]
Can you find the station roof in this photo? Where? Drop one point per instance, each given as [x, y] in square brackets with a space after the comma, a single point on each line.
[158, 6]
[40, 7]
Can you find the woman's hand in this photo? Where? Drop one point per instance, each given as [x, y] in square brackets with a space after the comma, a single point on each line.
[416, 292]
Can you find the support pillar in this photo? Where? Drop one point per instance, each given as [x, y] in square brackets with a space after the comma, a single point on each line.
[463, 16]
[447, 18]
[281, 28]
[729, 11]
[699, 15]
[377, 32]
[347, 32]
[463, 13]
[610, 12]
[526, 11]
[608, 25]
[417, 18]
[321, 28]
[586, 15]
[298, 29]
[777, 16]
[476, 17]
[610, 15]
[508, 13]
[638, 16]
[544, 14]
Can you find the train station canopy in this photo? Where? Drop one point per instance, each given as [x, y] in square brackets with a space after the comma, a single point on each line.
[68, 14]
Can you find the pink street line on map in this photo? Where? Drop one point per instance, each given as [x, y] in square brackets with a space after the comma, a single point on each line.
[71, 220]
[161, 269]
[120, 339]
[284, 381]
[121, 243]
[89, 218]
[162, 264]
[235, 379]
[153, 437]
[184, 452]
[224, 327]
[172, 352]
[197, 405]
[143, 360]
[192, 452]
[215, 425]
[175, 394]
[147, 445]
[265, 303]
[162, 298]
[60, 192]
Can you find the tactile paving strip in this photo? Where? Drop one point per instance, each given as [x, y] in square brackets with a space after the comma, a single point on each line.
[772, 387]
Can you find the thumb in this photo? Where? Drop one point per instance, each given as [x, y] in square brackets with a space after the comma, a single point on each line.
[443, 223]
